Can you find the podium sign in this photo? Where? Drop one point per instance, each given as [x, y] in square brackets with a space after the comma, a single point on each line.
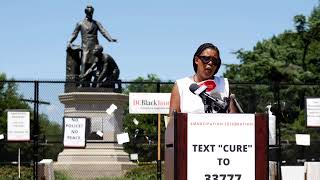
[217, 147]
[229, 152]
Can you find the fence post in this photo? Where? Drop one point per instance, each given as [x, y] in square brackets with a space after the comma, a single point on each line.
[158, 86]
[159, 141]
[36, 130]
[276, 87]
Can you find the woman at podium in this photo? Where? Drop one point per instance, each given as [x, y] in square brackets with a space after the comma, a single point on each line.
[203, 92]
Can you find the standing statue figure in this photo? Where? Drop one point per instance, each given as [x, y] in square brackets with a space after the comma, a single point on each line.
[104, 70]
[89, 34]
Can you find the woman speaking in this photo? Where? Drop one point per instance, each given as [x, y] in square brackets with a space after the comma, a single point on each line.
[206, 63]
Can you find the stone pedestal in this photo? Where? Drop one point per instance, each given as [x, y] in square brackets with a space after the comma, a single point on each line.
[45, 169]
[97, 160]
[93, 105]
[102, 156]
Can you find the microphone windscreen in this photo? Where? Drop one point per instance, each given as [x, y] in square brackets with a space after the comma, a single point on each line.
[210, 84]
[193, 87]
[196, 89]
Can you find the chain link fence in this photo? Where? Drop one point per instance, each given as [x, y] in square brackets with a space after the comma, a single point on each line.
[41, 99]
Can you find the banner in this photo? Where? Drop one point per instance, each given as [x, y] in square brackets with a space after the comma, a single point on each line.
[149, 103]
[312, 112]
[74, 132]
[18, 126]
[221, 146]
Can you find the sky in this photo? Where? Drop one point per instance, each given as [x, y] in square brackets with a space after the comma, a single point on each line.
[158, 37]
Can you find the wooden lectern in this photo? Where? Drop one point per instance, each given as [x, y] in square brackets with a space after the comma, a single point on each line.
[176, 163]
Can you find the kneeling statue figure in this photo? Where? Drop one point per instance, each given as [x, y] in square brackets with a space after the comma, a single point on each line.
[104, 70]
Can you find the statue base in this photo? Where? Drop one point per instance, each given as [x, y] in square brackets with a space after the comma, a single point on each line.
[97, 160]
[102, 156]
[75, 87]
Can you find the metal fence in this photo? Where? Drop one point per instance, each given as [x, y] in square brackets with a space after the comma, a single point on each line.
[41, 98]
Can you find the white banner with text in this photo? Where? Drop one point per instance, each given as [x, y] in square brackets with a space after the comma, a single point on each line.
[221, 146]
[18, 126]
[149, 103]
[312, 111]
[74, 132]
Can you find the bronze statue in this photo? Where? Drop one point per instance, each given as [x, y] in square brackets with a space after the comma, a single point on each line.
[104, 70]
[89, 35]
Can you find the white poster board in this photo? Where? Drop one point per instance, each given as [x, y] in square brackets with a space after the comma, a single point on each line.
[293, 172]
[221, 146]
[74, 132]
[303, 139]
[312, 112]
[18, 126]
[272, 128]
[149, 103]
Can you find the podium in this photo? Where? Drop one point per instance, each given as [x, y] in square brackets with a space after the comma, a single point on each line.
[217, 146]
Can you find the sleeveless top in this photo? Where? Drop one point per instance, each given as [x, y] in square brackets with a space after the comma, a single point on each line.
[191, 103]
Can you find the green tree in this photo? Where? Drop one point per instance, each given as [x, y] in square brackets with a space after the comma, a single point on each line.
[49, 131]
[149, 84]
[10, 99]
[292, 57]
[143, 137]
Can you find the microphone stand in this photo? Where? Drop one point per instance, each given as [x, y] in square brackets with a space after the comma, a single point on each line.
[207, 106]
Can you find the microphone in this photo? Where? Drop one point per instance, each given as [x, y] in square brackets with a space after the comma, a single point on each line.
[217, 104]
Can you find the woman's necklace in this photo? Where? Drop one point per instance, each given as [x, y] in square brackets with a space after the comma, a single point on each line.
[194, 78]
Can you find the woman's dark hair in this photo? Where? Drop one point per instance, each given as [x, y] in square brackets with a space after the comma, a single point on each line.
[201, 48]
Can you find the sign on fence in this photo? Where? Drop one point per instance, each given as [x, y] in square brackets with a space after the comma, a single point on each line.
[74, 132]
[312, 112]
[18, 126]
[223, 145]
[149, 103]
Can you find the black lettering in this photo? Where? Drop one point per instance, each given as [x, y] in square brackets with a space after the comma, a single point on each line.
[203, 147]
[207, 176]
[245, 148]
[212, 147]
[206, 148]
[235, 148]
[238, 175]
[194, 148]
[215, 177]
[231, 176]
[223, 176]
[74, 131]
[224, 161]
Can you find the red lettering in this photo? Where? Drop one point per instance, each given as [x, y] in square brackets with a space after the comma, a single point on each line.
[136, 102]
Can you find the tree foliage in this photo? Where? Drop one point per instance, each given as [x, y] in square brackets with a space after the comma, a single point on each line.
[287, 63]
[149, 84]
[143, 137]
[10, 99]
